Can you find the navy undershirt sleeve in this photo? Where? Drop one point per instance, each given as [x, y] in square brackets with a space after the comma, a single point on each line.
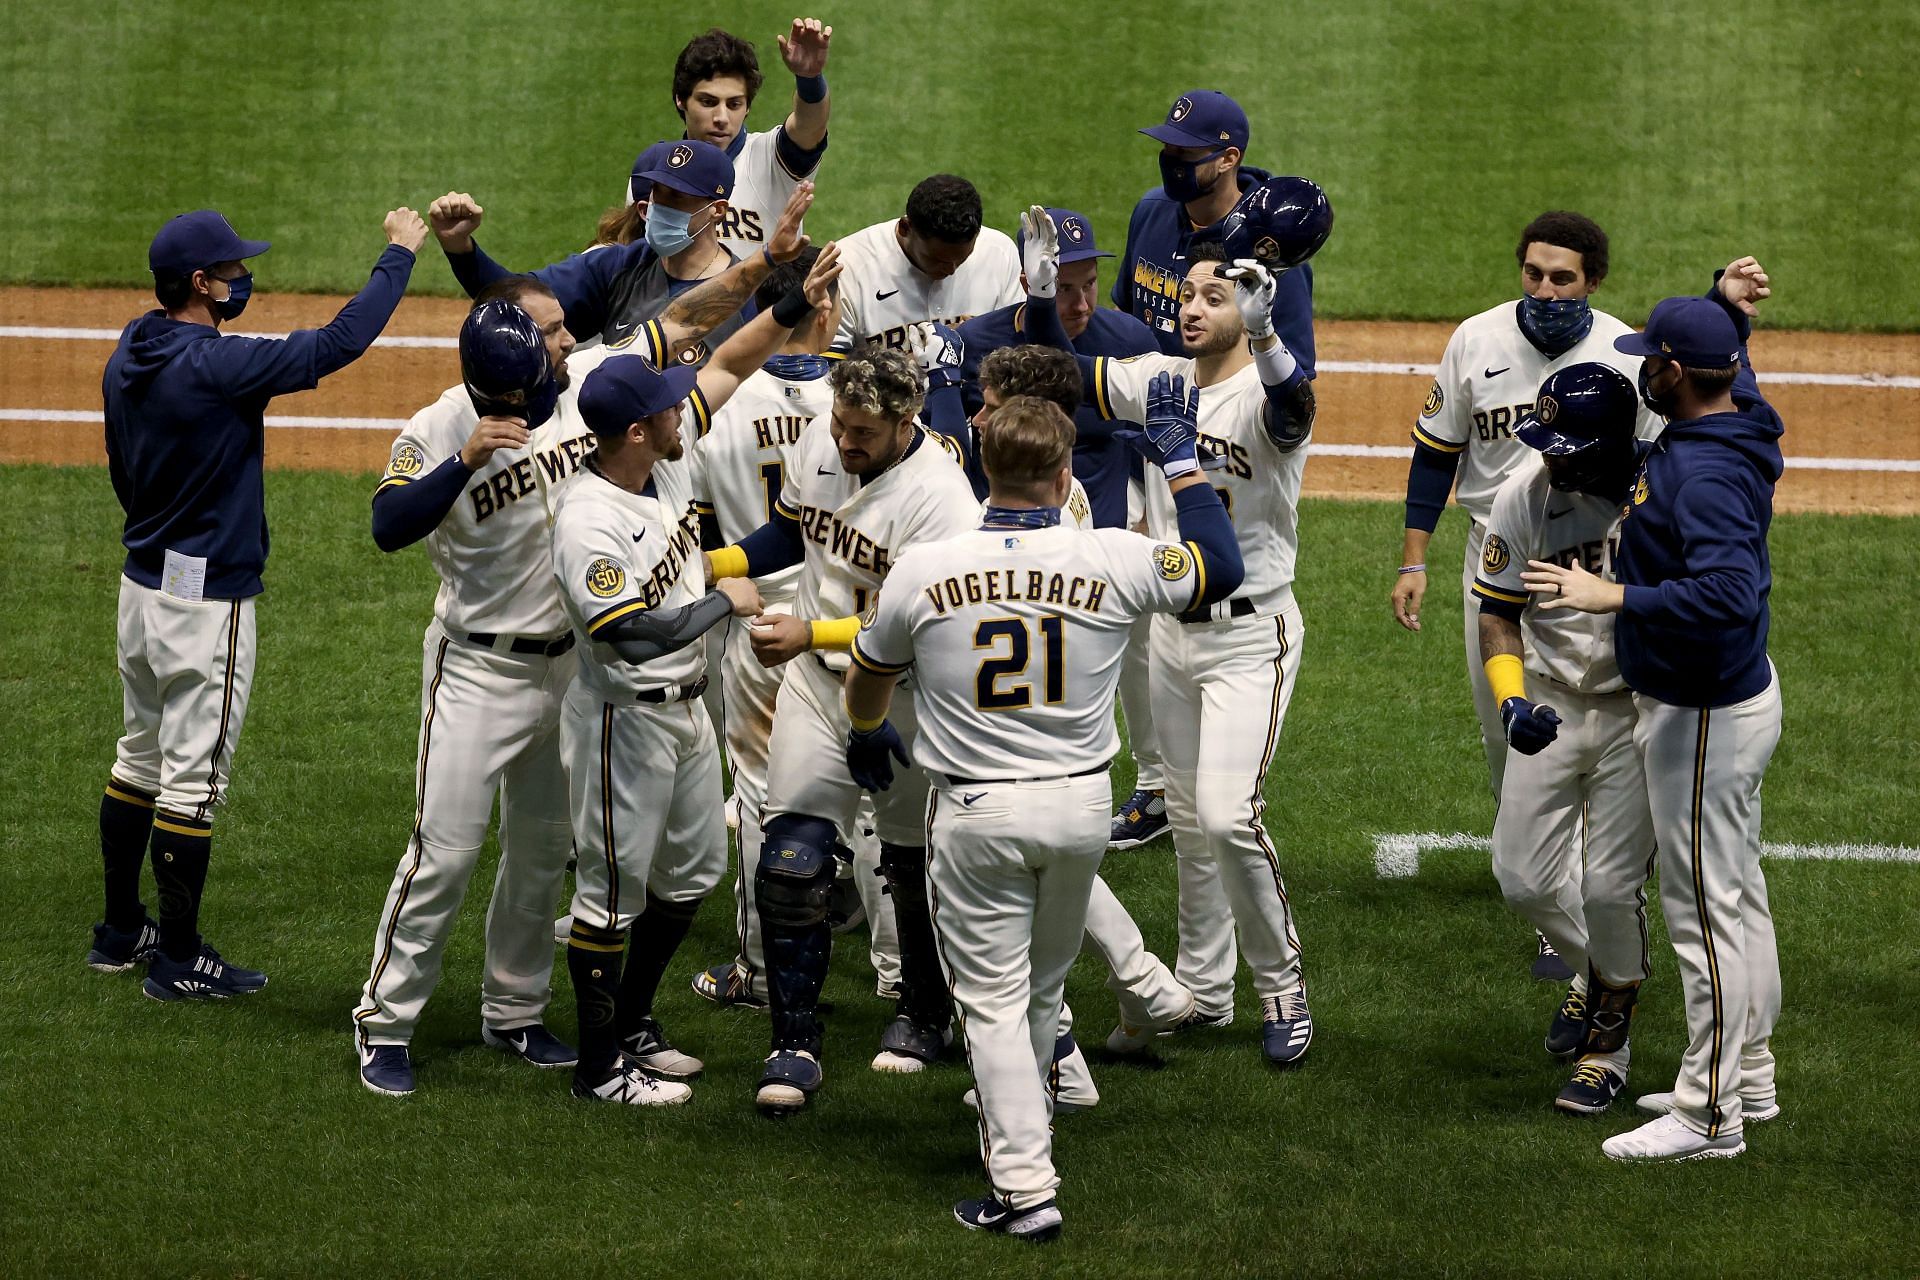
[1203, 521]
[405, 513]
[775, 545]
[1429, 482]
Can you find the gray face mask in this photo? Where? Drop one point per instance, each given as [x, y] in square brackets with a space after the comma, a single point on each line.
[668, 230]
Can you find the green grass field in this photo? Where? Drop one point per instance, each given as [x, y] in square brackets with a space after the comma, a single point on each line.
[1693, 134]
[1417, 1140]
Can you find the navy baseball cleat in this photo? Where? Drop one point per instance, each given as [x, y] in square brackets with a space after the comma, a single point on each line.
[906, 1046]
[386, 1068]
[205, 977]
[1200, 1020]
[1569, 1024]
[533, 1043]
[725, 985]
[117, 952]
[1039, 1224]
[650, 1050]
[1286, 1027]
[1592, 1089]
[788, 1083]
[1547, 963]
[1142, 819]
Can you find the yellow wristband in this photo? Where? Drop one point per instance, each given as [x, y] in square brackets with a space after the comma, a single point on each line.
[864, 726]
[1507, 677]
[728, 562]
[833, 633]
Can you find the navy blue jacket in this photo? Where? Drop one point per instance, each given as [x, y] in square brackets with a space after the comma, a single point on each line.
[1693, 556]
[1155, 264]
[582, 282]
[185, 408]
[1100, 462]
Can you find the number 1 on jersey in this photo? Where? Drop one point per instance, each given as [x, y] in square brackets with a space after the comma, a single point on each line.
[773, 478]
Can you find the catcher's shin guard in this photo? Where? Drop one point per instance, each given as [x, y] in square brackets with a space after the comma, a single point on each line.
[1609, 1014]
[924, 998]
[791, 888]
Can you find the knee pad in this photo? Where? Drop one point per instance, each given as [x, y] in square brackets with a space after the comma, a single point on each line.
[1609, 1014]
[904, 868]
[793, 882]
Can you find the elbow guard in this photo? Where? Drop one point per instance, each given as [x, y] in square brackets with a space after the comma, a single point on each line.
[1294, 409]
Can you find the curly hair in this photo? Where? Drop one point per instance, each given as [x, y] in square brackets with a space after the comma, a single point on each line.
[946, 208]
[710, 56]
[1568, 230]
[887, 384]
[1047, 372]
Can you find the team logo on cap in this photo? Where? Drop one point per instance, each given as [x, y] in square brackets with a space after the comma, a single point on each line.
[406, 461]
[1497, 557]
[605, 578]
[1173, 562]
[1435, 398]
[680, 156]
[1547, 410]
[1180, 110]
[1072, 230]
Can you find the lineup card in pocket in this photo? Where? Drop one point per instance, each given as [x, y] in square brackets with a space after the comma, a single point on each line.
[184, 577]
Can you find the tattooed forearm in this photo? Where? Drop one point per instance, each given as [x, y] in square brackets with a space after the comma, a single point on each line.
[695, 313]
[1498, 635]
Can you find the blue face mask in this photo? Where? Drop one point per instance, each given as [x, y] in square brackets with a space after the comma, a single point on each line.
[668, 230]
[239, 289]
[1555, 324]
[1180, 178]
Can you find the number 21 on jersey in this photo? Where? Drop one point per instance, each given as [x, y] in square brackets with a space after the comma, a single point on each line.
[1010, 645]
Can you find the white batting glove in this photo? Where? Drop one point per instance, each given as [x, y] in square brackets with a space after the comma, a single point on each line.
[1253, 293]
[940, 351]
[1039, 252]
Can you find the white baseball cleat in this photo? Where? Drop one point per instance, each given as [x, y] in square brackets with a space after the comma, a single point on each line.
[1127, 1039]
[631, 1085]
[1751, 1113]
[1668, 1139]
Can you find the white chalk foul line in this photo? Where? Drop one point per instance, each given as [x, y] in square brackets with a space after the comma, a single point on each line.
[113, 335]
[1397, 855]
[273, 420]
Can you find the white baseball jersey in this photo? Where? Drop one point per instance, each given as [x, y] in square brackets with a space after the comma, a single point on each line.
[616, 553]
[1487, 382]
[881, 293]
[1259, 484]
[1531, 520]
[854, 531]
[1018, 636]
[762, 185]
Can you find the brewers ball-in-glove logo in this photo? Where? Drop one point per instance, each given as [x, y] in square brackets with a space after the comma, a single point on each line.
[605, 578]
[406, 462]
[1070, 229]
[679, 156]
[1180, 110]
[1435, 398]
[1546, 411]
[1496, 558]
[1266, 251]
[1173, 562]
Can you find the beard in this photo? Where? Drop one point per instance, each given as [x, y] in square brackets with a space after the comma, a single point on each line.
[1215, 342]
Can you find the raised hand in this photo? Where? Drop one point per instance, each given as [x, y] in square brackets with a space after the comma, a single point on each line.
[1745, 283]
[940, 351]
[788, 240]
[490, 435]
[1253, 294]
[1039, 252]
[804, 48]
[826, 269]
[455, 217]
[406, 228]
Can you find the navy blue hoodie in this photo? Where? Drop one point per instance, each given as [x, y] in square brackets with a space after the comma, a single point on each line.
[1693, 555]
[185, 407]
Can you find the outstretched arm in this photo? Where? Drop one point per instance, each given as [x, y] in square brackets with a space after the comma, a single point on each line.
[701, 309]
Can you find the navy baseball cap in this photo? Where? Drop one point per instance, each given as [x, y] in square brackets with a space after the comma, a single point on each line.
[687, 165]
[1076, 237]
[1696, 332]
[1203, 118]
[195, 241]
[626, 389]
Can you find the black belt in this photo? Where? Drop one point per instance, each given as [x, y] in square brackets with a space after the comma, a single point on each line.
[527, 646]
[955, 780]
[673, 693]
[1238, 607]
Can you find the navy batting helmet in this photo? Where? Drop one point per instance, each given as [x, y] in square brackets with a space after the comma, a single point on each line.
[503, 361]
[1583, 421]
[1279, 224]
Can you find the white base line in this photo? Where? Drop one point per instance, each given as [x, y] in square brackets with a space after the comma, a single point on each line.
[1324, 450]
[1397, 856]
[1886, 381]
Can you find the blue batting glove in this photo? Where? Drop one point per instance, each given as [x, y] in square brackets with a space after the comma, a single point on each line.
[1529, 729]
[940, 351]
[868, 752]
[1173, 413]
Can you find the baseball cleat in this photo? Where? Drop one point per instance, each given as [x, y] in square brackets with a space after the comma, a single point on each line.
[1569, 1024]
[1286, 1027]
[788, 1082]
[1128, 1040]
[205, 977]
[1141, 820]
[1200, 1020]
[725, 985]
[1666, 1138]
[634, 1087]
[1039, 1224]
[386, 1068]
[906, 1046]
[648, 1046]
[1751, 1112]
[1547, 964]
[1592, 1089]
[533, 1043]
[117, 952]
[563, 929]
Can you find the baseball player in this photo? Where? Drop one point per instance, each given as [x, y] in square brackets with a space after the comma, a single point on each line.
[857, 496]
[715, 80]
[1223, 675]
[1203, 177]
[1017, 629]
[1691, 636]
[642, 765]
[1493, 365]
[1569, 719]
[469, 475]
[935, 263]
[184, 408]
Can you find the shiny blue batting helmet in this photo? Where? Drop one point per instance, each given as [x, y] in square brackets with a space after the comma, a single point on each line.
[503, 361]
[1581, 407]
[1280, 223]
